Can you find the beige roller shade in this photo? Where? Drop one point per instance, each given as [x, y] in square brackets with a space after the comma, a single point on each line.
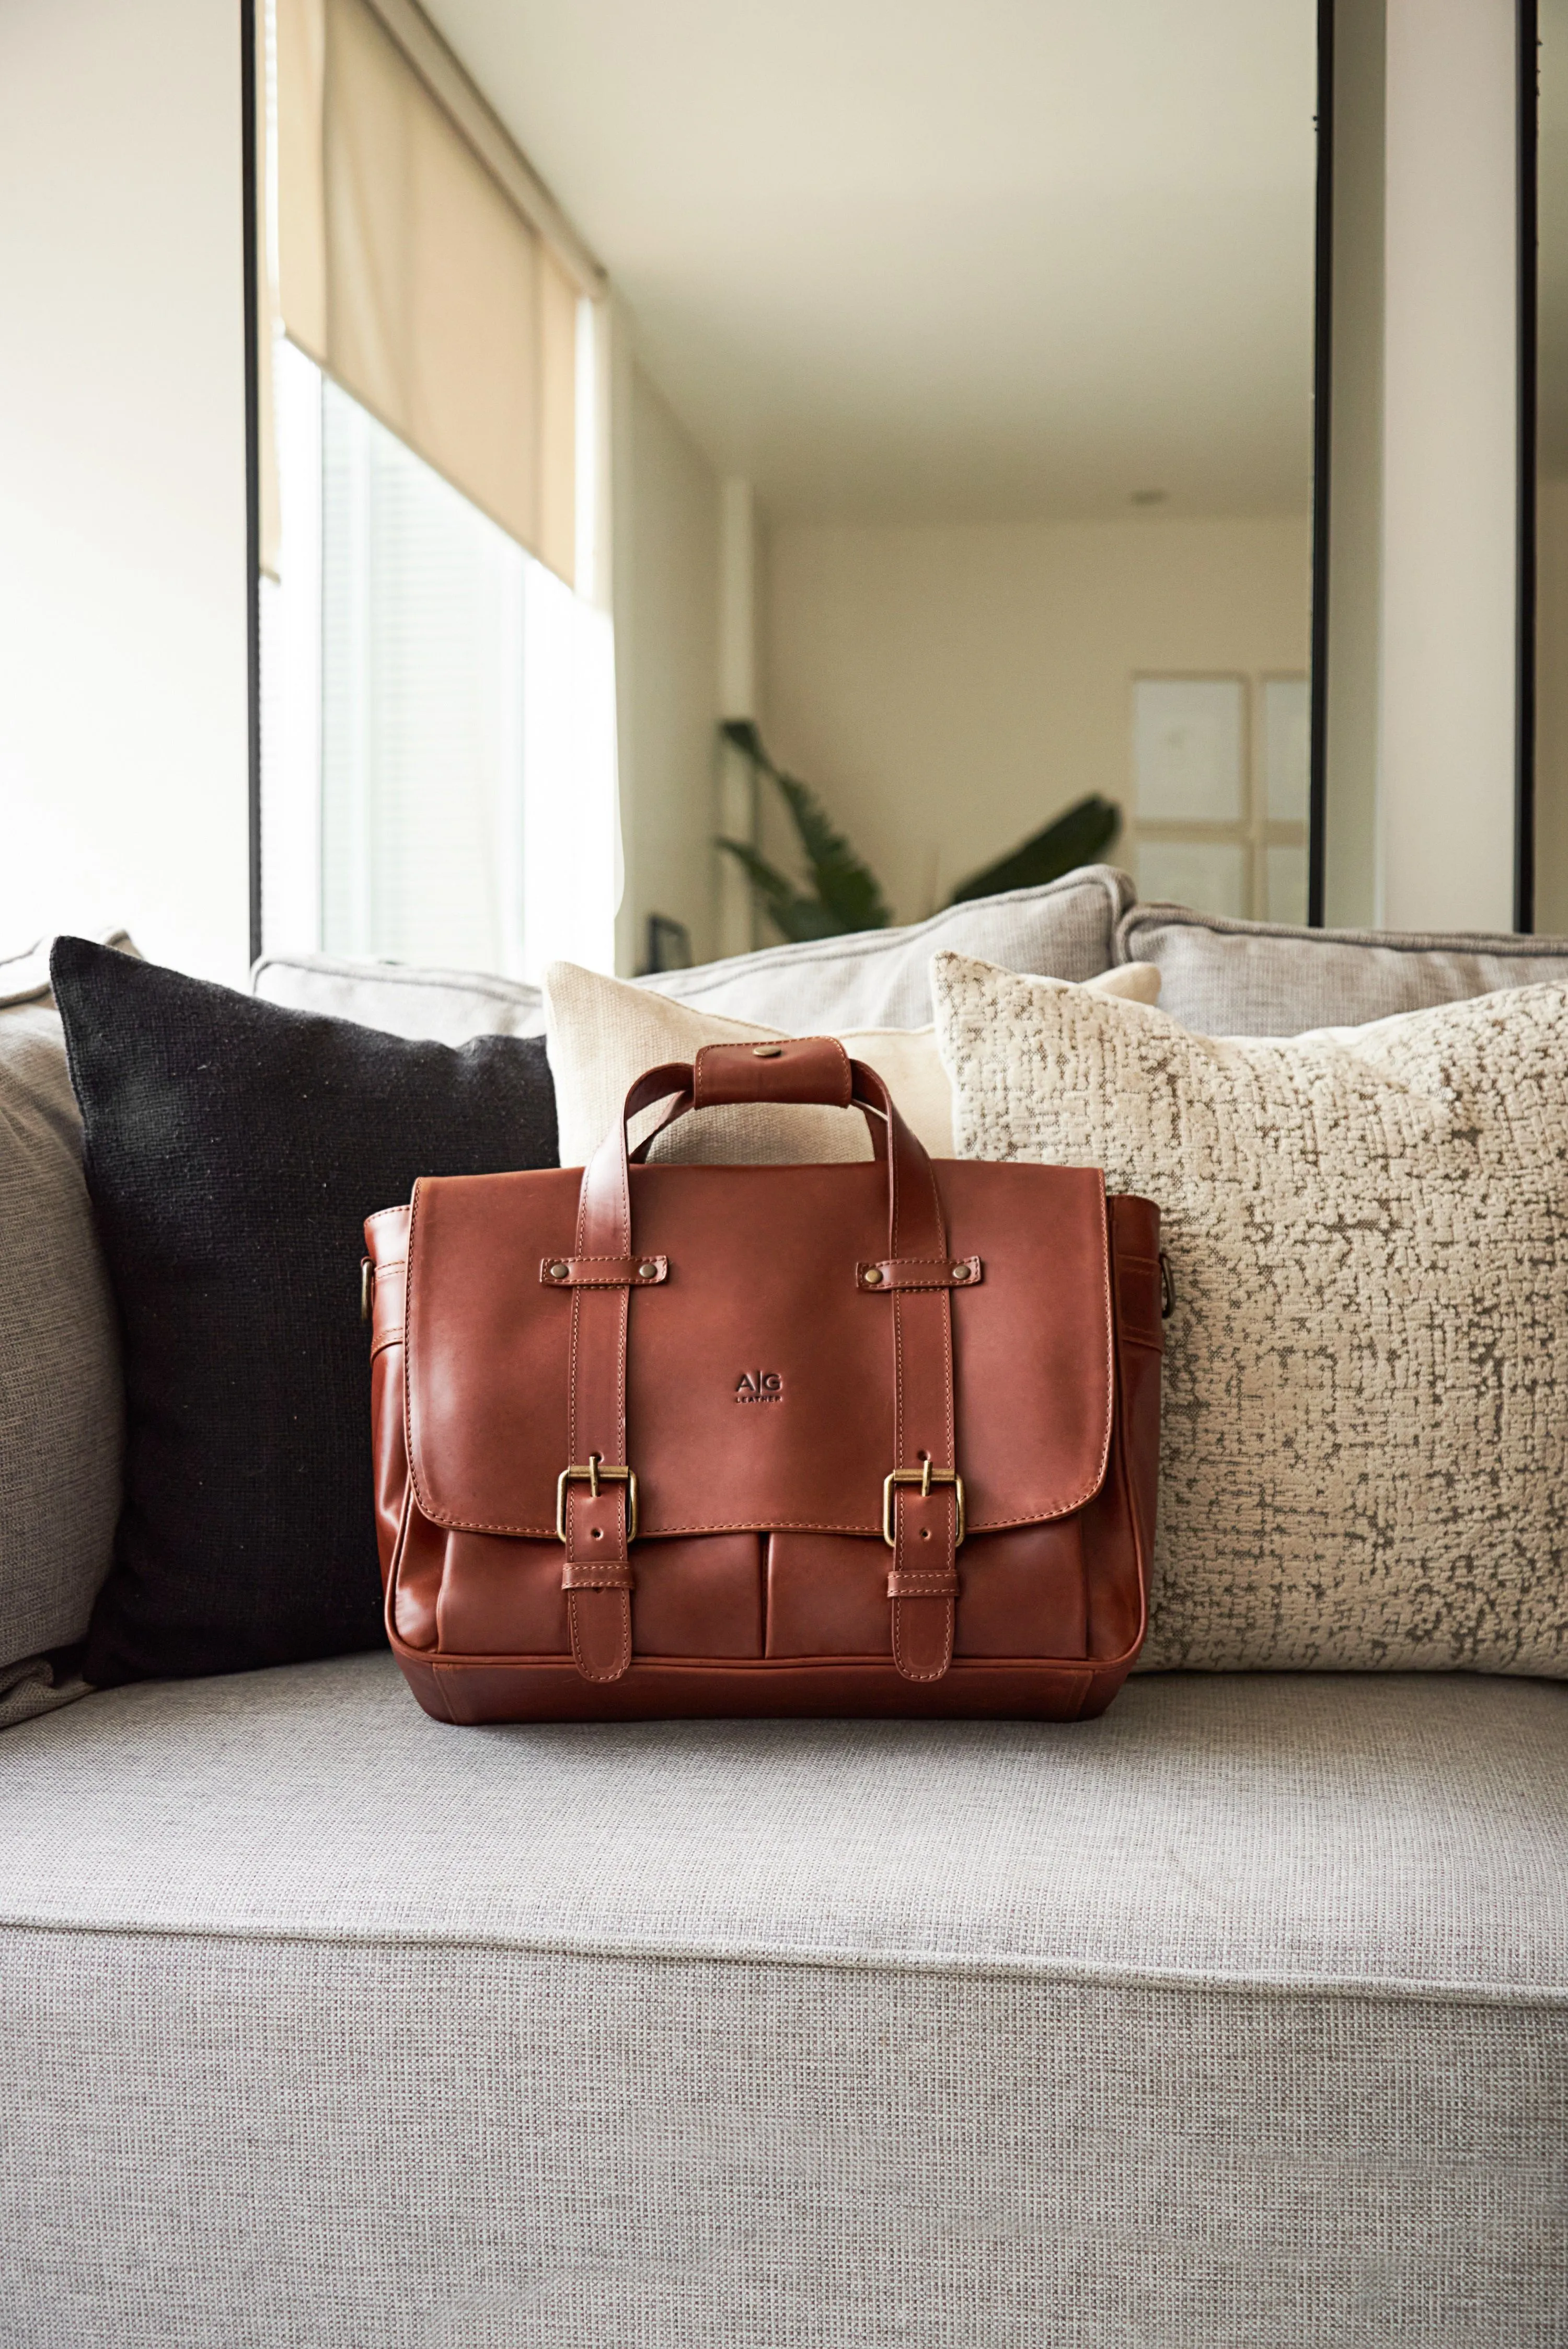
[411, 271]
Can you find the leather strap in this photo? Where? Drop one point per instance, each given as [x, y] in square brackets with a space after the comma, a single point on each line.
[923, 1585]
[924, 1582]
[796, 1069]
[920, 1272]
[603, 1271]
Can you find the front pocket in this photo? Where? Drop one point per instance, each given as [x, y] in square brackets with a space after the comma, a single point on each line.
[697, 1596]
[827, 1596]
[502, 1597]
[1020, 1593]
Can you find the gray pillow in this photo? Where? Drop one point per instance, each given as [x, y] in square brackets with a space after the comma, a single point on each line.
[1223, 977]
[881, 979]
[443, 1007]
[61, 1401]
[875, 979]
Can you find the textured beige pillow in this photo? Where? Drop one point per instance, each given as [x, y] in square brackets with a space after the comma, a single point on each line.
[602, 1033]
[1365, 1429]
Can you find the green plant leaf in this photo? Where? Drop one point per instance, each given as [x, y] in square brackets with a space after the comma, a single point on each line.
[1081, 835]
[741, 734]
[846, 885]
[848, 894]
[793, 915]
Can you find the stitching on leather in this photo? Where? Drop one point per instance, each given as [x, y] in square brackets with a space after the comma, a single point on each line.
[623, 1275]
[914, 1287]
[1090, 1490]
[706, 1051]
[862, 1532]
[378, 1345]
[624, 1646]
[409, 1302]
[893, 1280]
[947, 1327]
[898, 1461]
[907, 1671]
[559, 1660]
[572, 1384]
[631, 1258]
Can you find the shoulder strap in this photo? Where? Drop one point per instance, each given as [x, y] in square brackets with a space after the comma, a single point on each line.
[923, 1495]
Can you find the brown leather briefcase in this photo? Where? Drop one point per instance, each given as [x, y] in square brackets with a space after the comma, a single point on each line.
[869, 1438]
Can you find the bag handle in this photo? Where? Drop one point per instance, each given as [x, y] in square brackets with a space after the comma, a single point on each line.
[922, 1496]
[798, 1069]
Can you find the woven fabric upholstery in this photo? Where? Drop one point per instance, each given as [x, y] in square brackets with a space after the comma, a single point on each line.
[603, 1032]
[62, 1411]
[1225, 977]
[1364, 1438]
[1237, 2020]
[875, 979]
[444, 1006]
[881, 979]
[232, 1151]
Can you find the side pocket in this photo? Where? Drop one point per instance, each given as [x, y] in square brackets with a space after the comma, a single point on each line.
[391, 1459]
[384, 1291]
[1119, 1524]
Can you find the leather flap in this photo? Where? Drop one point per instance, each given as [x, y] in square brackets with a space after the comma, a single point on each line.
[760, 1375]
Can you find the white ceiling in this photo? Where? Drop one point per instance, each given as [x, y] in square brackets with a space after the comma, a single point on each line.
[912, 259]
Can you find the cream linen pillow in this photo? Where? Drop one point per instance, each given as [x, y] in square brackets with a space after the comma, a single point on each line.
[1366, 1414]
[602, 1033]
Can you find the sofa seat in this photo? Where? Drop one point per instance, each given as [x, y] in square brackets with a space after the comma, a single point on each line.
[1237, 2019]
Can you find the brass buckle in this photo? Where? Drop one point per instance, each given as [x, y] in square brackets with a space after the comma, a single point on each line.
[925, 1477]
[594, 1472]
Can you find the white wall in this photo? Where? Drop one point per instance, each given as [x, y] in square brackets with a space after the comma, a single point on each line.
[1552, 708]
[948, 688]
[666, 529]
[122, 490]
[1446, 766]
[1356, 469]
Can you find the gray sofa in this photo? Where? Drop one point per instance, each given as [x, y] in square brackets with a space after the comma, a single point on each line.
[1237, 2019]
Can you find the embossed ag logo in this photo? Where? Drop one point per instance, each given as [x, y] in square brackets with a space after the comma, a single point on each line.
[759, 1386]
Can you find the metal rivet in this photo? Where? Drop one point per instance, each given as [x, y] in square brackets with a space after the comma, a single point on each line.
[873, 1275]
[961, 1272]
[766, 1051]
[647, 1272]
[558, 1272]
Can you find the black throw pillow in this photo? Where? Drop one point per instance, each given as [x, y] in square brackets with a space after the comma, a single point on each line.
[233, 1150]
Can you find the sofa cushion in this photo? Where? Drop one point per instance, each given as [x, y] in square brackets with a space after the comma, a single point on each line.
[61, 1404]
[447, 1007]
[1225, 977]
[881, 979]
[876, 978]
[1239, 2015]
[603, 1032]
[1364, 1444]
[233, 1150]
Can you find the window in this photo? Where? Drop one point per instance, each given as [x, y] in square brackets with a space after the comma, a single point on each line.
[437, 717]
[437, 685]
[1220, 768]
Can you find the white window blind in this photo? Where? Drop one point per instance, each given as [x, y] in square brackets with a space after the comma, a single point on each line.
[421, 753]
[422, 266]
[438, 734]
